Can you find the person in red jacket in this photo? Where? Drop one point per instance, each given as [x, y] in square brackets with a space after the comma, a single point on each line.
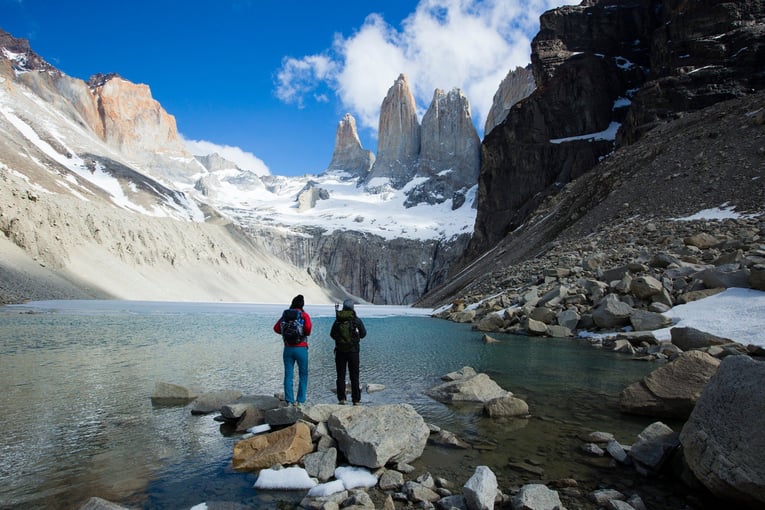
[295, 351]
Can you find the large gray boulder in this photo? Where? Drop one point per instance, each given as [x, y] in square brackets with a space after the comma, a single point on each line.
[480, 490]
[374, 436]
[723, 439]
[612, 313]
[671, 390]
[653, 448]
[692, 338]
[478, 388]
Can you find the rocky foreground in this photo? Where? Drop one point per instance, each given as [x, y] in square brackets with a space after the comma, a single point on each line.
[358, 456]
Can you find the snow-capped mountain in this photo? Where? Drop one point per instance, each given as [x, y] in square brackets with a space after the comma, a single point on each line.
[107, 142]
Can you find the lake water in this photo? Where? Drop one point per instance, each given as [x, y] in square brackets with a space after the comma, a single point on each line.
[76, 379]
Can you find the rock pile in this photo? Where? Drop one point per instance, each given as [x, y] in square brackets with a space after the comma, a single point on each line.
[621, 278]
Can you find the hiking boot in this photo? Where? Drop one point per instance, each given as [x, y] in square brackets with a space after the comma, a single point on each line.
[341, 402]
[357, 403]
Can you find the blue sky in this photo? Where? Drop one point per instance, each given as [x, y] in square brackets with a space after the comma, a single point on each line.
[266, 83]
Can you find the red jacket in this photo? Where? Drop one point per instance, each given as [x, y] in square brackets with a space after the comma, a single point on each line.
[306, 328]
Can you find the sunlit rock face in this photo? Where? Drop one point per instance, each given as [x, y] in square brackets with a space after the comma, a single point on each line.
[398, 146]
[348, 154]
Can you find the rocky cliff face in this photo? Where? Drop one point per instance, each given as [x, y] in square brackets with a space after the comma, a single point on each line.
[132, 121]
[444, 151]
[605, 64]
[348, 154]
[450, 150]
[398, 144]
[380, 271]
[516, 86]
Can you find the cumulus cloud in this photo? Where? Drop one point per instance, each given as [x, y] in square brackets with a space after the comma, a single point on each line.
[242, 159]
[469, 44]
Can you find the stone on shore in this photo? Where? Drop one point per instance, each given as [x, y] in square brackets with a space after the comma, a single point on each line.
[171, 394]
[213, 401]
[506, 406]
[691, 338]
[285, 446]
[480, 490]
[375, 436]
[478, 388]
[723, 441]
[654, 446]
[612, 313]
[536, 496]
[671, 390]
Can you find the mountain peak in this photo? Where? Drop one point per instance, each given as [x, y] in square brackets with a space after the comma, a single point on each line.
[348, 154]
[20, 55]
[399, 135]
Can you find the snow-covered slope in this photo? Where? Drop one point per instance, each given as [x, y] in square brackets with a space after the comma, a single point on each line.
[334, 200]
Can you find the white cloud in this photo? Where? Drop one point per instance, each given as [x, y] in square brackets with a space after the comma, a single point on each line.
[470, 44]
[242, 159]
[299, 77]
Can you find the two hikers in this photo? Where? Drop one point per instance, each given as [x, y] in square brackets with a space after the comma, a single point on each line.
[295, 326]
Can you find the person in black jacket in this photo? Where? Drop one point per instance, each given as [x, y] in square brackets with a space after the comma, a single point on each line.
[347, 331]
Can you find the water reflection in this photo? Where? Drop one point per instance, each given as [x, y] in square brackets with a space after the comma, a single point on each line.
[78, 420]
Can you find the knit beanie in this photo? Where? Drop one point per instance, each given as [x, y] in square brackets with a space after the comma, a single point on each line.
[297, 301]
[348, 304]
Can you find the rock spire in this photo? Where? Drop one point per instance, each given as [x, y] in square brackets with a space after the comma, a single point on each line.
[398, 144]
[348, 154]
[516, 86]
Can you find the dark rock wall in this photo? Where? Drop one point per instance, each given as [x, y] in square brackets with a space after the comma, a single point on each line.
[660, 58]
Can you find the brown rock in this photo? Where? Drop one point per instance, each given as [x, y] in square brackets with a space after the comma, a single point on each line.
[285, 446]
[672, 390]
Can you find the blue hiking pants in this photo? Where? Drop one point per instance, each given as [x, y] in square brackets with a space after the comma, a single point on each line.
[292, 355]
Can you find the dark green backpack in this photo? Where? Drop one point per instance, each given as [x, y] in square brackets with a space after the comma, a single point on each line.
[346, 329]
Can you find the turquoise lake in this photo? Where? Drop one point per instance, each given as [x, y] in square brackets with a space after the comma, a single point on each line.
[76, 379]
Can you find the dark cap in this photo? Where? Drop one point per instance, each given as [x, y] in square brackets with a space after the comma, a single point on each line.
[297, 301]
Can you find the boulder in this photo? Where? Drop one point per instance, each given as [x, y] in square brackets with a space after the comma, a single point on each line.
[374, 436]
[536, 496]
[722, 440]
[643, 320]
[506, 406]
[462, 373]
[478, 388]
[691, 338]
[480, 490]
[645, 286]
[321, 464]
[285, 446]
[491, 322]
[701, 240]
[612, 313]
[536, 328]
[654, 446]
[714, 278]
[213, 401]
[463, 316]
[171, 394]
[568, 318]
[672, 390]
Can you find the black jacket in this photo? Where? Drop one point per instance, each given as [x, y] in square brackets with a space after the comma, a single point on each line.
[358, 331]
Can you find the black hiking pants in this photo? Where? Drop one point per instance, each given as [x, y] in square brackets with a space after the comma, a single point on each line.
[351, 361]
